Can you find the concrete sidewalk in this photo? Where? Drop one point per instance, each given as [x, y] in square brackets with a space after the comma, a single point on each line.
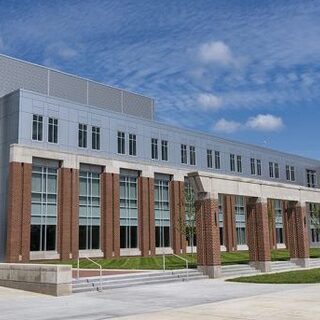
[203, 299]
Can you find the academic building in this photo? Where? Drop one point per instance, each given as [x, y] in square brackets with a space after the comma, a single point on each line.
[87, 171]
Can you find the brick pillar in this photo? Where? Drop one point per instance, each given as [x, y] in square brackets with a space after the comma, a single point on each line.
[177, 211]
[229, 223]
[258, 234]
[68, 216]
[110, 215]
[146, 216]
[298, 234]
[19, 212]
[208, 237]
[272, 224]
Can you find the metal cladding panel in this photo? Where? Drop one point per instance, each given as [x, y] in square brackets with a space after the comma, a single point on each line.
[137, 105]
[19, 75]
[68, 87]
[104, 97]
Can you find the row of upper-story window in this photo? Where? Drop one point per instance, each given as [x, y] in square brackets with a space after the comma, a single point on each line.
[187, 153]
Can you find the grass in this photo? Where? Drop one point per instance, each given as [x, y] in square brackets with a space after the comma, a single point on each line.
[155, 263]
[291, 277]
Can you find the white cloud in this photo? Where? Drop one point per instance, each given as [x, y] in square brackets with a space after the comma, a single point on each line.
[215, 52]
[210, 101]
[265, 122]
[226, 126]
[261, 122]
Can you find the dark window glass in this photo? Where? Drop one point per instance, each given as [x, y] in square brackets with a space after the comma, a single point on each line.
[164, 150]
[35, 238]
[217, 159]
[132, 144]
[154, 148]
[82, 135]
[121, 142]
[95, 138]
[183, 153]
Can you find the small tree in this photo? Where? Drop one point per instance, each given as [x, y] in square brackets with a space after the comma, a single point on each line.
[315, 219]
[187, 217]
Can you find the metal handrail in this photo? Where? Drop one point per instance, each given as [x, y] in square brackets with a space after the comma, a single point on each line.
[96, 263]
[186, 261]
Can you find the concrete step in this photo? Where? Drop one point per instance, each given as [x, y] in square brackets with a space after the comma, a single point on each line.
[121, 281]
[238, 270]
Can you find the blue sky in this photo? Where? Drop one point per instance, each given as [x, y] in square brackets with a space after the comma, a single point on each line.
[244, 70]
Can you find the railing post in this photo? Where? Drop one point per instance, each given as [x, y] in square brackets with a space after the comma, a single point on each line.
[163, 262]
[78, 269]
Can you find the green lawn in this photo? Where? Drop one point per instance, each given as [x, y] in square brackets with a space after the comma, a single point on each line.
[291, 277]
[155, 263]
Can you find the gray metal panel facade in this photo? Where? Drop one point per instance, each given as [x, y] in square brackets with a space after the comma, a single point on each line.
[16, 74]
[9, 123]
[70, 115]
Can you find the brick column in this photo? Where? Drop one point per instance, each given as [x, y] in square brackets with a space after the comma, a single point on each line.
[208, 237]
[298, 234]
[146, 216]
[19, 212]
[68, 213]
[258, 234]
[178, 242]
[229, 223]
[110, 215]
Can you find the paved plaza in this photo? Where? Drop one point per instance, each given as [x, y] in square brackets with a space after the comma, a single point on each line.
[204, 299]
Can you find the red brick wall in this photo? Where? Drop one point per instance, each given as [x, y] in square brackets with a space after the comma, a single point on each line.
[19, 212]
[229, 223]
[297, 231]
[110, 215]
[258, 230]
[208, 238]
[272, 224]
[178, 242]
[68, 208]
[146, 216]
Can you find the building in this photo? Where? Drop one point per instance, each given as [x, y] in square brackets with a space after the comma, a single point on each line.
[86, 170]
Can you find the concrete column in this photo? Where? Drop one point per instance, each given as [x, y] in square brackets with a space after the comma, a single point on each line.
[258, 234]
[68, 213]
[208, 237]
[177, 210]
[229, 223]
[298, 234]
[146, 216]
[19, 212]
[110, 215]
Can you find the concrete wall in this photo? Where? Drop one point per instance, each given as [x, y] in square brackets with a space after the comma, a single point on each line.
[9, 124]
[55, 280]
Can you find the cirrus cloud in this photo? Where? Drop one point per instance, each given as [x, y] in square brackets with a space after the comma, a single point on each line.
[209, 101]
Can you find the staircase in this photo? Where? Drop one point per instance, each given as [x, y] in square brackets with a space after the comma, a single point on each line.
[238, 270]
[278, 266]
[314, 263]
[128, 280]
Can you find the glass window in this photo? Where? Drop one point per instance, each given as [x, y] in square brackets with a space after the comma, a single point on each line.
[192, 150]
[121, 142]
[162, 212]
[293, 175]
[82, 135]
[164, 150]
[258, 167]
[240, 214]
[132, 144]
[253, 166]
[154, 148]
[239, 164]
[53, 130]
[217, 159]
[221, 210]
[37, 126]
[43, 209]
[96, 138]
[288, 172]
[89, 210]
[184, 153]
[209, 158]
[311, 178]
[276, 170]
[271, 171]
[278, 220]
[128, 211]
[189, 197]
[232, 163]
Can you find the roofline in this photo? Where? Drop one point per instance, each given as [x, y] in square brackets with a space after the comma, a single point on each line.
[76, 76]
